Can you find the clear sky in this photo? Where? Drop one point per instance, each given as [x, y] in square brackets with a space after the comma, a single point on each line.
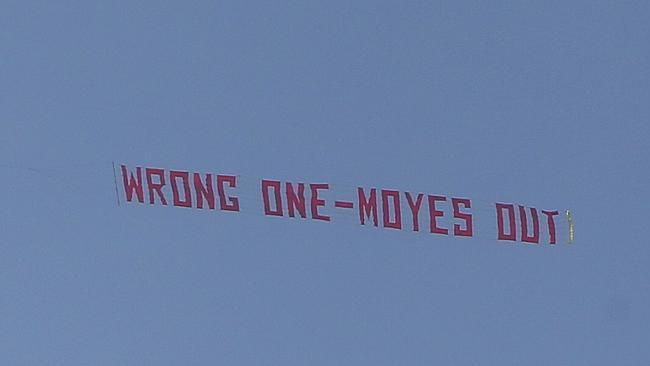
[544, 102]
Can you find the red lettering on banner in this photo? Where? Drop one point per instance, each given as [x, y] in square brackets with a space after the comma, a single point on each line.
[434, 214]
[185, 177]
[316, 203]
[133, 184]
[227, 203]
[415, 209]
[524, 225]
[367, 206]
[512, 235]
[467, 217]
[266, 185]
[551, 224]
[385, 195]
[296, 201]
[156, 187]
[204, 190]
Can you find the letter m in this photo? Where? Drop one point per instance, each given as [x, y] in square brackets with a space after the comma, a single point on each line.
[367, 206]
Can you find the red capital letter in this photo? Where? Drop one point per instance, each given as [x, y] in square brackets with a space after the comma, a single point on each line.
[185, 176]
[551, 224]
[434, 213]
[415, 209]
[227, 203]
[204, 190]
[524, 225]
[133, 184]
[150, 172]
[315, 202]
[367, 207]
[512, 236]
[467, 217]
[266, 184]
[385, 194]
[296, 201]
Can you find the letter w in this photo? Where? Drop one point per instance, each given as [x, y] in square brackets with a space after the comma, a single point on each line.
[133, 184]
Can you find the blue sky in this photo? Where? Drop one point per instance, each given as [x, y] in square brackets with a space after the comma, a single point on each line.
[540, 102]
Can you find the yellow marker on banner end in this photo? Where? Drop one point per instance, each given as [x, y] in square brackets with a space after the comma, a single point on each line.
[570, 220]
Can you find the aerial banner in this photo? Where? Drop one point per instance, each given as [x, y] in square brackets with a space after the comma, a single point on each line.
[431, 213]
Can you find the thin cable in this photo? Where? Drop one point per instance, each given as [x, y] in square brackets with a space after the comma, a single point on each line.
[117, 194]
